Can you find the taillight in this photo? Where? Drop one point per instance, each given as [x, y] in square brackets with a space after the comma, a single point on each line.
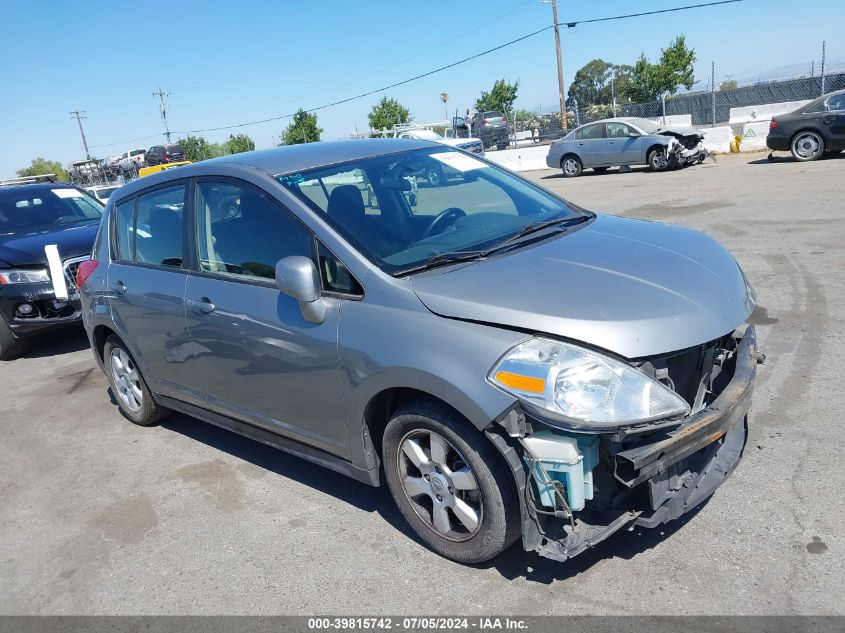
[84, 271]
[773, 124]
[484, 122]
[166, 156]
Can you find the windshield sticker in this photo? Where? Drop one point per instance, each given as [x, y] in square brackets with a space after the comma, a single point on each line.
[68, 193]
[293, 179]
[459, 161]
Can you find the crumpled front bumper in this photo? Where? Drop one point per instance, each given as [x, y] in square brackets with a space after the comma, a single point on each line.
[666, 478]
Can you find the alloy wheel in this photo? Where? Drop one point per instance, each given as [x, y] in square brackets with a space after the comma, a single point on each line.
[570, 167]
[127, 381]
[807, 145]
[439, 485]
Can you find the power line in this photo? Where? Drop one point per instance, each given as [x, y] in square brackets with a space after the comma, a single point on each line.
[656, 11]
[442, 68]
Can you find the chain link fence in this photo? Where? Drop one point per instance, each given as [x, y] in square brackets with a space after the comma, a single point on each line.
[705, 108]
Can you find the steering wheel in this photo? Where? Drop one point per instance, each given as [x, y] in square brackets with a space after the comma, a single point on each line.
[443, 220]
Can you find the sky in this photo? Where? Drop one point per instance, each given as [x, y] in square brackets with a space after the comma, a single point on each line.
[227, 62]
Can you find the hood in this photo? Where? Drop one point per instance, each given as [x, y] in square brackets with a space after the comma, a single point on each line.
[28, 249]
[633, 287]
[680, 131]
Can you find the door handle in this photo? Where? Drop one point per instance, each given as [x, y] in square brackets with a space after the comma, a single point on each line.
[118, 287]
[827, 120]
[201, 305]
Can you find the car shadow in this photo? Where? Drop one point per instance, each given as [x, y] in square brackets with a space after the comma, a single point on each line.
[511, 564]
[54, 343]
[346, 489]
[517, 563]
[788, 158]
[588, 173]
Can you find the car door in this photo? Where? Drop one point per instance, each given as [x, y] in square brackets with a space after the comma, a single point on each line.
[623, 145]
[833, 121]
[262, 362]
[589, 144]
[147, 289]
[154, 155]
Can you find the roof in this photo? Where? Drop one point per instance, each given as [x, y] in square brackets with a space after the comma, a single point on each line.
[29, 186]
[288, 158]
[285, 159]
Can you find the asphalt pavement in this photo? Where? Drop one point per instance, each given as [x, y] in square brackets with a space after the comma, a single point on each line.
[98, 516]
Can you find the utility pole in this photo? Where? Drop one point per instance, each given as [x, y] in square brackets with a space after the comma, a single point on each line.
[164, 107]
[559, 68]
[79, 116]
[613, 88]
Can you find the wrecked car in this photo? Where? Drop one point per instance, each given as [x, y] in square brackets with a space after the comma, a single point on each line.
[512, 366]
[46, 229]
[626, 141]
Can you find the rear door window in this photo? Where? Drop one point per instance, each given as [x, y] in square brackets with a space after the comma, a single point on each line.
[158, 227]
[589, 132]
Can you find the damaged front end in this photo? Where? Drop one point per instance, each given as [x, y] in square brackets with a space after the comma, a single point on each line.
[686, 146]
[579, 484]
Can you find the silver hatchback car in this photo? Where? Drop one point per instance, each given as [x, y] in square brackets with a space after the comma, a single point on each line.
[512, 366]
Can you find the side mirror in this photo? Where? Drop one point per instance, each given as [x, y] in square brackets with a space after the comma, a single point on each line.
[297, 277]
[633, 134]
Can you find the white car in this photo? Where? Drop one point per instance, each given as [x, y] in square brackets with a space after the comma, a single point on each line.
[102, 192]
[132, 160]
[434, 173]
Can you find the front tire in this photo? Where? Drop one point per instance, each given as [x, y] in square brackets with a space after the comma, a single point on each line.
[128, 385]
[657, 160]
[449, 483]
[435, 176]
[571, 166]
[10, 347]
[806, 146]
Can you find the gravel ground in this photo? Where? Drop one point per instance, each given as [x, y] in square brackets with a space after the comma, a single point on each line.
[98, 516]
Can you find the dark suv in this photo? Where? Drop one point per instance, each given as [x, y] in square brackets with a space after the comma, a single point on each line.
[46, 231]
[161, 154]
[492, 128]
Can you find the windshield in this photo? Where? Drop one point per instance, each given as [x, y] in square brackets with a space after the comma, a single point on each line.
[401, 210]
[27, 210]
[649, 127]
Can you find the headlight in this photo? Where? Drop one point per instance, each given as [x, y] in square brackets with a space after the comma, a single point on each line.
[583, 386]
[23, 276]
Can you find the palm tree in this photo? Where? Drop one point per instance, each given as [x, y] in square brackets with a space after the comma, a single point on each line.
[444, 98]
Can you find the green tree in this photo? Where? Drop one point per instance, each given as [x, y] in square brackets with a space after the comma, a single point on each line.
[238, 144]
[591, 84]
[500, 98]
[387, 113]
[44, 166]
[195, 148]
[729, 84]
[675, 69]
[303, 129]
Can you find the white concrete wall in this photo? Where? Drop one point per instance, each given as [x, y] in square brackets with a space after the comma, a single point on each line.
[680, 120]
[521, 158]
[754, 136]
[750, 114]
[718, 139]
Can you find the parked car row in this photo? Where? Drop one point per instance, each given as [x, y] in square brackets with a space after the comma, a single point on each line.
[134, 159]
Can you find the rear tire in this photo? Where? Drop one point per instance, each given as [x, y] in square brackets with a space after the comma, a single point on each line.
[571, 166]
[807, 145]
[128, 385]
[10, 347]
[450, 483]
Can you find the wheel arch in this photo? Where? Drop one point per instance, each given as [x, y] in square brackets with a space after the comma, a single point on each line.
[567, 155]
[808, 128]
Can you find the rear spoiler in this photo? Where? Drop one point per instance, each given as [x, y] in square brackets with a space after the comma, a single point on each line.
[28, 180]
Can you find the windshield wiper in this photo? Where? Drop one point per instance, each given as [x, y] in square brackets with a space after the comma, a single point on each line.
[534, 227]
